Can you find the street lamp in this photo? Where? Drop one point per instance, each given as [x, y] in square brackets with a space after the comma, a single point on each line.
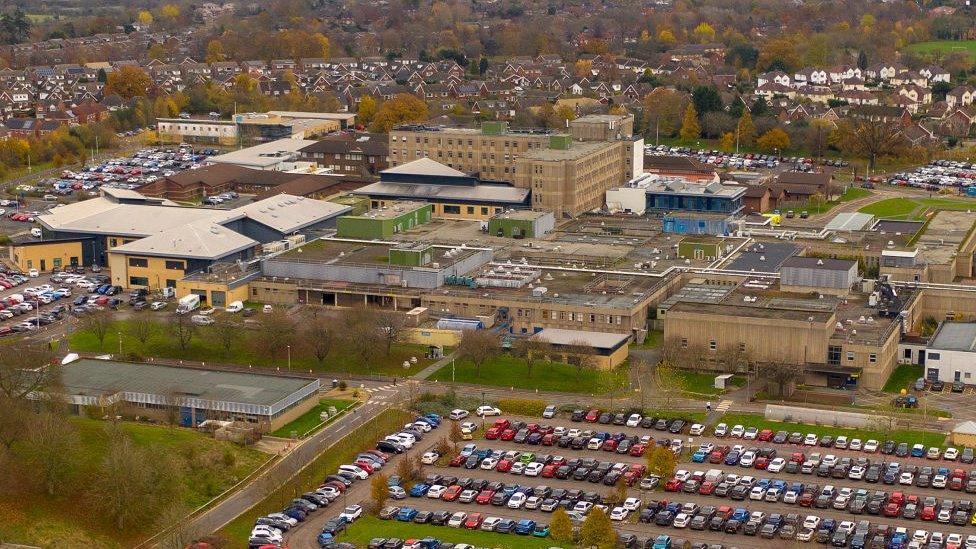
[289, 358]
[482, 415]
[120, 344]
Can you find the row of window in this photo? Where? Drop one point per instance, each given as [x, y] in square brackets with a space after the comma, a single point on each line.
[456, 210]
[170, 265]
[470, 142]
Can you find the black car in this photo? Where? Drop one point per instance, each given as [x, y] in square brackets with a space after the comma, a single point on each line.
[661, 425]
[937, 386]
[780, 437]
[577, 416]
[605, 418]
[888, 447]
[423, 517]
[826, 441]
[676, 426]
[716, 524]
[440, 518]
[647, 423]
[958, 387]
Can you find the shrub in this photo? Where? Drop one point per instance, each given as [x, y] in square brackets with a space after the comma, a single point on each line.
[521, 406]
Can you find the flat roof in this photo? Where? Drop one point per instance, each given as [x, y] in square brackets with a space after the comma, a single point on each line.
[955, 336]
[750, 311]
[263, 155]
[391, 211]
[90, 377]
[763, 257]
[576, 150]
[526, 215]
[826, 264]
[597, 340]
[501, 194]
[849, 221]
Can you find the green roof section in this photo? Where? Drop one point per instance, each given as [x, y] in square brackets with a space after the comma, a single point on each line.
[384, 222]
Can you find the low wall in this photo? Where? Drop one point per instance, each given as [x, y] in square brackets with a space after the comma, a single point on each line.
[777, 412]
[433, 336]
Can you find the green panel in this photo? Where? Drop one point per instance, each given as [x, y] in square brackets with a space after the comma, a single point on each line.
[350, 226]
[524, 227]
[688, 250]
[560, 142]
[412, 257]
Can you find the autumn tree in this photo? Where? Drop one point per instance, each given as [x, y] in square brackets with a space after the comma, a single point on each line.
[727, 142]
[366, 110]
[560, 527]
[666, 37]
[127, 81]
[818, 136]
[661, 461]
[227, 332]
[704, 33]
[478, 347]
[53, 450]
[379, 492]
[531, 350]
[583, 67]
[669, 381]
[774, 139]
[690, 130]
[170, 12]
[403, 108]
[663, 108]
[145, 18]
[97, 323]
[735, 358]
[746, 129]
[869, 140]
[597, 531]
[25, 368]
[322, 45]
[215, 52]
[275, 334]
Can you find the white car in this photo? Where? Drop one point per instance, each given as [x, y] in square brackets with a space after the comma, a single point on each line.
[283, 518]
[906, 479]
[871, 446]
[436, 491]
[517, 500]
[157, 305]
[489, 463]
[33, 273]
[490, 523]
[951, 454]
[517, 468]
[747, 459]
[829, 460]
[430, 458]
[485, 411]
[352, 512]
[721, 430]
[855, 444]
[757, 493]
[812, 522]
[533, 502]
[805, 534]
[750, 433]
[634, 420]
[457, 519]
[811, 440]
[533, 469]
[469, 426]
[458, 414]
[696, 430]
[583, 507]
[354, 471]
[201, 320]
[619, 513]
[632, 504]
[776, 465]
[737, 431]
[856, 473]
[235, 307]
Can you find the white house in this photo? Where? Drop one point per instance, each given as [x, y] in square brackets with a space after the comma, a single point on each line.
[810, 76]
[960, 96]
[951, 353]
[935, 73]
[774, 77]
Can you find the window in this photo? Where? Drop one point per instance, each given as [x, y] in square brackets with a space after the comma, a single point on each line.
[742, 347]
[850, 355]
[470, 209]
[452, 209]
[484, 210]
[138, 262]
[872, 358]
[712, 345]
[57, 262]
[684, 343]
[833, 355]
[138, 281]
[933, 356]
[175, 265]
[171, 283]
[113, 242]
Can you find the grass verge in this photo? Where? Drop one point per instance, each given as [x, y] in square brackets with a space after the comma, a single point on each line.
[697, 383]
[368, 527]
[927, 438]
[310, 421]
[902, 377]
[506, 371]
[357, 440]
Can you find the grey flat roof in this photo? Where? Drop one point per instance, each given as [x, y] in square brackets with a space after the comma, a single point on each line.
[763, 257]
[597, 340]
[479, 193]
[955, 336]
[90, 377]
[826, 264]
[849, 221]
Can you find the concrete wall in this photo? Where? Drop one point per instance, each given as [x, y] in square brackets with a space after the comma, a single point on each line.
[44, 257]
[433, 336]
[778, 412]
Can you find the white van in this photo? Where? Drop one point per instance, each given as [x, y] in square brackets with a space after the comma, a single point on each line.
[235, 307]
[201, 320]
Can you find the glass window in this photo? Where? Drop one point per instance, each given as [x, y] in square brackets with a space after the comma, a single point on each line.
[138, 262]
[138, 281]
[448, 209]
[175, 265]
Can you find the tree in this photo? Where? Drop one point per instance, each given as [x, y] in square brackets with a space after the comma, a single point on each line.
[780, 377]
[157, 51]
[706, 99]
[774, 139]
[869, 140]
[940, 89]
[97, 323]
[663, 108]
[359, 334]
[366, 110]
[170, 11]
[661, 461]
[321, 335]
[818, 135]
[666, 37]
[727, 143]
[735, 358]
[704, 33]
[531, 350]
[560, 527]
[227, 332]
[579, 354]
[127, 81]
[778, 54]
[127, 490]
[669, 381]
[583, 67]
[597, 530]
[215, 52]
[483, 66]
[141, 327]
[746, 129]
[379, 491]
[322, 44]
[182, 330]
[26, 367]
[391, 326]
[478, 347]
[275, 334]
[53, 447]
[404, 107]
[145, 18]
[690, 130]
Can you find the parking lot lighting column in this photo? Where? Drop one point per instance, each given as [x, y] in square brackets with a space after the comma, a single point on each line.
[289, 358]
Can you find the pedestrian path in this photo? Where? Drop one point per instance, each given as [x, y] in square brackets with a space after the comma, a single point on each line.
[380, 388]
[724, 406]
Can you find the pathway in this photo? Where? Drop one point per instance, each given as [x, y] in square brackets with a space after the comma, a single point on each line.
[432, 369]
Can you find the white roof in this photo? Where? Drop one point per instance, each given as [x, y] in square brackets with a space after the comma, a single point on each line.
[286, 213]
[900, 253]
[597, 340]
[425, 166]
[477, 193]
[106, 217]
[263, 155]
[965, 428]
[203, 240]
[849, 221]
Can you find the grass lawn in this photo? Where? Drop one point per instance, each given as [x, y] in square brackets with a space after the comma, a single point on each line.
[704, 384]
[369, 527]
[653, 339]
[915, 208]
[208, 349]
[927, 438]
[890, 208]
[902, 378]
[208, 467]
[506, 371]
[357, 440]
[944, 46]
[309, 422]
[849, 194]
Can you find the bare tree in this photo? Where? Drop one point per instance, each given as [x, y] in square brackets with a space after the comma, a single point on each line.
[579, 354]
[321, 336]
[391, 325]
[669, 382]
[141, 327]
[98, 323]
[182, 329]
[227, 332]
[26, 367]
[671, 351]
[695, 357]
[531, 350]
[870, 140]
[781, 378]
[478, 346]
[275, 333]
[735, 358]
[359, 333]
[53, 452]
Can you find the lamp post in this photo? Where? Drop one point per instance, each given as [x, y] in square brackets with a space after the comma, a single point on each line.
[289, 358]
[482, 415]
[120, 344]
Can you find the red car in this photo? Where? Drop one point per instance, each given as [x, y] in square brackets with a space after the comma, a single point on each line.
[706, 488]
[5, 330]
[610, 445]
[716, 457]
[798, 457]
[724, 511]
[362, 464]
[493, 433]
[508, 434]
[955, 483]
[548, 471]
[548, 440]
[897, 497]
[484, 497]
[762, 462]
[504, 466]
[637, 450]
[457, 460]
[501, 424]
[806, 499]
[673, 485]
[592, 416]
[928, 513]
[474, 521]
[532, 427]
[631, 478]
[452, 493]
[766, 435]
[558, 461]
[892, 509]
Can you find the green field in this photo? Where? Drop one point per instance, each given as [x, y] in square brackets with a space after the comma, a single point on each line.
[849, 194]
[699, 383]
[310, 422]
[911, 437]
[508, 371]
[208, 467]
[652, 340]
[207, 349]
[902, 377]
[944, 46]
[368, 527]
[355, 441]
[915, 208]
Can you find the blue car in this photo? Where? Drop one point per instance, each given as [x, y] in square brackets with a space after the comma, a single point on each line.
[663, 541]
[541, 531]
[406, 514]
[741, 514]
[419, 490]
[918, 451]
[524, 527]
[326, 539]
[732, 458]
[699, 456]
